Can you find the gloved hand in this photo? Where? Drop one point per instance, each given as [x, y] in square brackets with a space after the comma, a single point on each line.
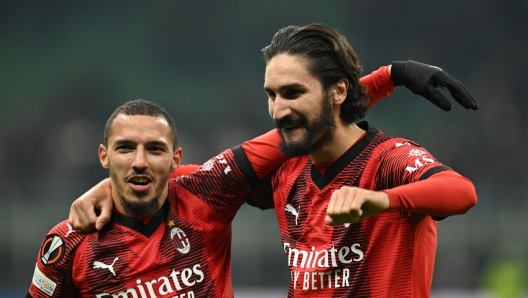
[423, 79]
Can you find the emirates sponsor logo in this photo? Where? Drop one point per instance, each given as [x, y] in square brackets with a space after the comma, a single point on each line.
[318, 269]
[326, 258]
[177, 284]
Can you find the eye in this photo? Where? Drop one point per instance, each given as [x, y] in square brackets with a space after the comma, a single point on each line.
[271, 95]
[292, 93]
[156, 149]
[123, 148]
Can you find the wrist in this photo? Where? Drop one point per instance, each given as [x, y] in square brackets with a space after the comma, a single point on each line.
[397, 72]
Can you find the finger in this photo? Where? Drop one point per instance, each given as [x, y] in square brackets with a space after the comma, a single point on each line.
[355, 206]
[437, 98]
[331, 221]
[87, 217]
[335, 207]
[464, 99]
[331, 204]
[106, 213]
[457, 90]
[74, 216]
[81, 217]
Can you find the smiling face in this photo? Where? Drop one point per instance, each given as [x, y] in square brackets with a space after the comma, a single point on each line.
[302, 111]
[139, 156]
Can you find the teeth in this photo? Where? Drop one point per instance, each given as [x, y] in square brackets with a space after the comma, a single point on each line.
[140, 180]
[289, 126]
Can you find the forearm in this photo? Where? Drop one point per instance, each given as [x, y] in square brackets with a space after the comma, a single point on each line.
[378, 84]
[443, 194]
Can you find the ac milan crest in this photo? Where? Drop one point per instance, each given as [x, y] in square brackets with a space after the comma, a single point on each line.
[180, 240]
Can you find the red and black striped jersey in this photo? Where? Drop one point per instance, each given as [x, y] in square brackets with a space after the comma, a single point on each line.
[182, 251]
[388, 255]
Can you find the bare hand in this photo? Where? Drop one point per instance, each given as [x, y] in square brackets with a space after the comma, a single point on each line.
[353, 204]
[83, 215]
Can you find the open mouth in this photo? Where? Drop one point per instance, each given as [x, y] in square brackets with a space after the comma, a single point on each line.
[139, 183]
[290, 126]
[139, 180]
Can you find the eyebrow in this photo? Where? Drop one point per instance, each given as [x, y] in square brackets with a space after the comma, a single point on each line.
[126, 142]
[285, 87]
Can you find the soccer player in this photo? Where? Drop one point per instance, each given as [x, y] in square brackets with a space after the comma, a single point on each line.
[166, 239]
[354, 205]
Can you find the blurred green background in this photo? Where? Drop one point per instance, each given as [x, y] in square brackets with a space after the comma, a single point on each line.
[66, 65]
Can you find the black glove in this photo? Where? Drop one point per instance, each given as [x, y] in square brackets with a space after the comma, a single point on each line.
[423, 79]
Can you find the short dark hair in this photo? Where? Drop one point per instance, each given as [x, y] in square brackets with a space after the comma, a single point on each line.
[329, 57]
[145, 108]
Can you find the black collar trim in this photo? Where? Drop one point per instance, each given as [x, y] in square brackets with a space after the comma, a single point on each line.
[147, 229]
[321, 181]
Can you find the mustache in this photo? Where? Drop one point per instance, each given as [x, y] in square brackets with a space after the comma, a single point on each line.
[291, 120]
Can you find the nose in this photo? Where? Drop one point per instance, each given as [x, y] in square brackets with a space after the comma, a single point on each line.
[140, 161]
[278, 108]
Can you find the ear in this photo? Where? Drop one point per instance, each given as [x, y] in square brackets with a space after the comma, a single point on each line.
[176, 159]
[103, 156]
[340, 91]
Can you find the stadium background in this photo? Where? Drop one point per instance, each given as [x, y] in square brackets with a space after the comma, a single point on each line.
[66, 65]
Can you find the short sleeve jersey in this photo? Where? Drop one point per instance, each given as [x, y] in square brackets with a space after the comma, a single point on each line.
[388, 255]
[183, 251]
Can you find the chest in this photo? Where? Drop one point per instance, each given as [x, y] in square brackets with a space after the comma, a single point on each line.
[174, 259]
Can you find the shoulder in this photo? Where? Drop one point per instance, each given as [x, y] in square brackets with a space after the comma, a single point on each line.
[62, 239]
[54, 263]
[397, 145]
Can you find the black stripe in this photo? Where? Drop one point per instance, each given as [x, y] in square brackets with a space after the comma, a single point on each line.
[245, 166]
[137, 225]
[342, 162]
[430, 173]
[433, 171]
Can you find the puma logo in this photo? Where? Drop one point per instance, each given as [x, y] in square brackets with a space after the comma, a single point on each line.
[71, 230]
[292, 210]
[98, 264]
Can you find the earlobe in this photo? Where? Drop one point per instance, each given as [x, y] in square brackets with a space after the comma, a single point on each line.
[340, 90]
[103, 156]
[176, 160]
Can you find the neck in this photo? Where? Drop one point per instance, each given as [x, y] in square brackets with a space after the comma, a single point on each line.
[344, 136]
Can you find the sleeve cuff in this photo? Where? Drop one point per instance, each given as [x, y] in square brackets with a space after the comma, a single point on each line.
[398, 73]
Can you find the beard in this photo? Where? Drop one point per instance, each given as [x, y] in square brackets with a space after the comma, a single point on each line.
[146, 206]
[318, 133]
[140, 208]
